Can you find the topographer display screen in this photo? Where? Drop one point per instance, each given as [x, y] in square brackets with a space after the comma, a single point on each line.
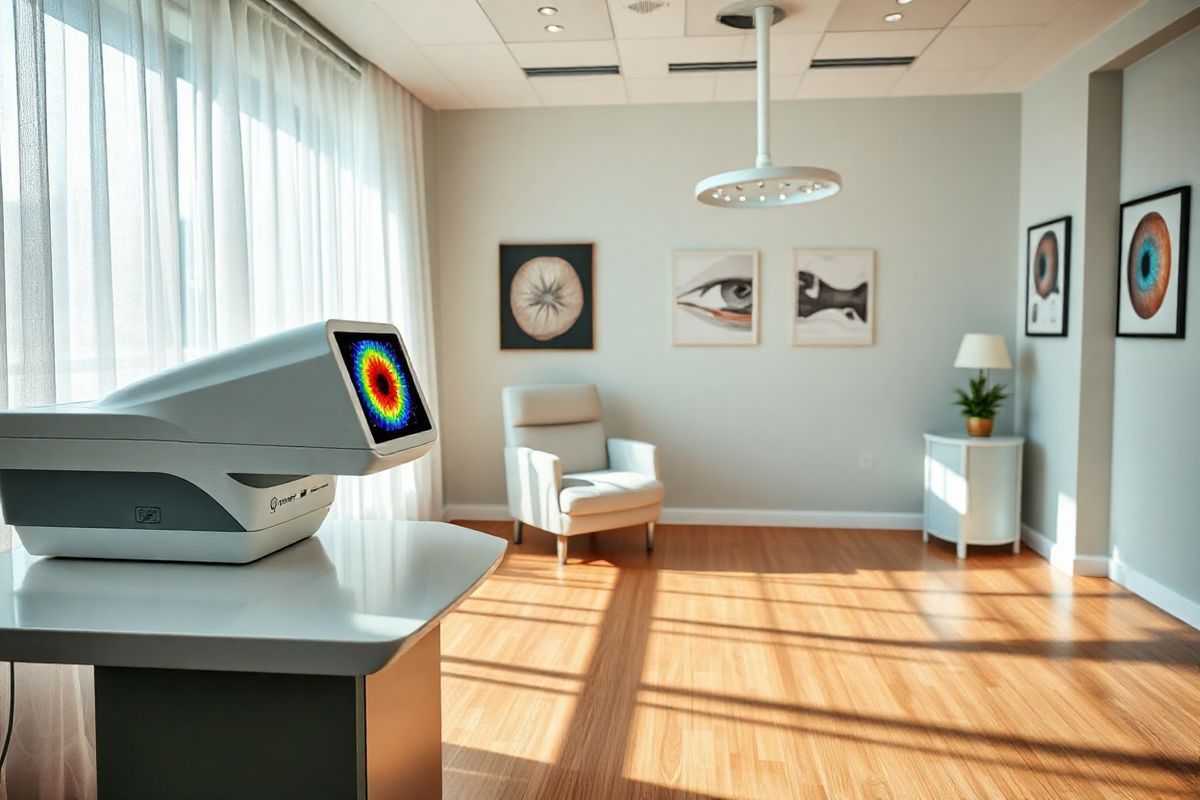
[383, 383]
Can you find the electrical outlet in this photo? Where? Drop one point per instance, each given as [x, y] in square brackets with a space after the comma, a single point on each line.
[866, 461]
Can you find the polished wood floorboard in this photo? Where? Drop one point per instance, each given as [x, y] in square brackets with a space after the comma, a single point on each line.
[783, 663]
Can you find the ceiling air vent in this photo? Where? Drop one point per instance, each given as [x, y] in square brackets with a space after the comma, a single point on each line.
[838, 63]
[554, 72]
[712, 66]
[646, 6]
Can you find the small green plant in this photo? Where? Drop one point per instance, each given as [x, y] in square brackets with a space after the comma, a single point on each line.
[981, 401]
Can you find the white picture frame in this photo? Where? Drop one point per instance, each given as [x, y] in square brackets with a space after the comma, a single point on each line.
[714, 298]
[832, 298]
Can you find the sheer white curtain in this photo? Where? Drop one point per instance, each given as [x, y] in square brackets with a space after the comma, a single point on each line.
[179, 177]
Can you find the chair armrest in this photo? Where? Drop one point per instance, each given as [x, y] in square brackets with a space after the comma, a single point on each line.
[534, 479]
[627, 455]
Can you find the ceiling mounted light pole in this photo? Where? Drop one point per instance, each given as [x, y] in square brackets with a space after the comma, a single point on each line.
[764, 184]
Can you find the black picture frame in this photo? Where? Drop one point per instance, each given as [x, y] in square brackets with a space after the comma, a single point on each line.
[518, 334]
[1064, 259]
[1181, 261]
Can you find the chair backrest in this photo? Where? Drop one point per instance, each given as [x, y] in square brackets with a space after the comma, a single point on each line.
[563, 419]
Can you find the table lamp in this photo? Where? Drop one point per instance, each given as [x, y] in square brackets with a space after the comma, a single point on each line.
[984, 352]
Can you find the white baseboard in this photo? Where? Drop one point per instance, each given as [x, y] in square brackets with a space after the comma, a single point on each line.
[1152, 591]
[1062, 558]
[863, 520]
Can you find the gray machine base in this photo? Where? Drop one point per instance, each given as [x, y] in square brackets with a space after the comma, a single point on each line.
[197, 734]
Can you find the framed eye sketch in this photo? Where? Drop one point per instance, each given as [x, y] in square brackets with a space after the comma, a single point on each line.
[714, 297]
[546, 297]
[833, 298]
[1152, 272]
[1047, 277]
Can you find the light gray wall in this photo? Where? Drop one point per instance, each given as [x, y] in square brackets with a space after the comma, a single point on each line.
[1058, 390]
[1156, 429]
[931, 185]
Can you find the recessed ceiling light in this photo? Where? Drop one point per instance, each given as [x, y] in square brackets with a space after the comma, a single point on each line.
[555, 28]
[903, 2]
[550, 11]
[895, 16]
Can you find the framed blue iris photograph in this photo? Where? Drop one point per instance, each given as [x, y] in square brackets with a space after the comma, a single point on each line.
[1152, 272]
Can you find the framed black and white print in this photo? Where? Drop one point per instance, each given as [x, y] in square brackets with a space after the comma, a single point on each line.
[546, 297]
[1152, 272]
[833, 298]
[1047, 278]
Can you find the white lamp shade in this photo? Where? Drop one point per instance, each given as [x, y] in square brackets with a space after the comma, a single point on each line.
[983, 351]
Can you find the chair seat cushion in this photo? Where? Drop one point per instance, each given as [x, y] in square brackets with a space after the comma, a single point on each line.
[602, 491]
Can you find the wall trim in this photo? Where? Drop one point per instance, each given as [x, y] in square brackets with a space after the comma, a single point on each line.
[756, 517]
[1153, 592]
[1063, 558]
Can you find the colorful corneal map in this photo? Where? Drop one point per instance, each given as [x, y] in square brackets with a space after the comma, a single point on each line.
[380, 382]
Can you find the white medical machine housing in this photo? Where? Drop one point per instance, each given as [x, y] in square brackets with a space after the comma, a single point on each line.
[223, 459]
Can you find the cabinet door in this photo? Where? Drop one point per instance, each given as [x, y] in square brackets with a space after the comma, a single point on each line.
[945, 489]
[992, 503]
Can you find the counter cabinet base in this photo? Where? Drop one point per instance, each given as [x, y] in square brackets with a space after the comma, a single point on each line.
[203, 734]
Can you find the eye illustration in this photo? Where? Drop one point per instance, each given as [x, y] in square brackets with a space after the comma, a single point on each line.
[1045, 265]
[815, 296]
[546, 297]
[722, 295]
[1149, 267]
[377, 376]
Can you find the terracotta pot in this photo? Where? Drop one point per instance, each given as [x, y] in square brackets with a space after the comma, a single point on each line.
[977, 426]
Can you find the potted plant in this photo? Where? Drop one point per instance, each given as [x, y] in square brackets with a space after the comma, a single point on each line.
[980, 404]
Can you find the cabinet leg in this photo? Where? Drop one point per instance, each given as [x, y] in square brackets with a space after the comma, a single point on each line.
[1017, 545]
[516, 531]
[924, 535]
[962, 549]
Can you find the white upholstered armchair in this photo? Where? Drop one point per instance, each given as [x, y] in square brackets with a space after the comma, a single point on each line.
[564, 476]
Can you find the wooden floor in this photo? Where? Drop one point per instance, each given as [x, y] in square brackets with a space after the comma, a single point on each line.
[776, 663]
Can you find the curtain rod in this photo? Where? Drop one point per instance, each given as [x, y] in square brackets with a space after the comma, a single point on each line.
[325, 38]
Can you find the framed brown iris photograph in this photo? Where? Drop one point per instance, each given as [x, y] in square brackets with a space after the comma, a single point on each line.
[1047, 277]
[546, 297]
[1152, 272]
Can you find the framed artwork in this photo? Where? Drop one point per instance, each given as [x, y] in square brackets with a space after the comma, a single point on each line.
[546, 297]
[714, 297]
[1047, 277]
[833, 298]
[1152, 272]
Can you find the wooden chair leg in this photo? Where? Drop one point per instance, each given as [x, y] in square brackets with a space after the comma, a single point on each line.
[561, 546]
[516, 531]
[650, 537]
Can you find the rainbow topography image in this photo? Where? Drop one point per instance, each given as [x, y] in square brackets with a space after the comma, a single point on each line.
[381, 383]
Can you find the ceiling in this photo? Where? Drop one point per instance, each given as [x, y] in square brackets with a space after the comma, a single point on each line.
[472, 53]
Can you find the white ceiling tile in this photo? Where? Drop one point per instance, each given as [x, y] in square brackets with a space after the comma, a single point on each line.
[515, 94]
[803, 16]
[980, 13]
[1050, 45]
[850, 82]
[565, 54]
[675, 89]
[733, 86]
[790, 53]
[648, 58]
[641, 19]
[582, 90]
[947, 81]
[475, 63]
[440, 21]
[875, 44]
[867, 15]
[974, 48]
[519, 20]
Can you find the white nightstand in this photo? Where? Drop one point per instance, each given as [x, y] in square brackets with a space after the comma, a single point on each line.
[973, 489]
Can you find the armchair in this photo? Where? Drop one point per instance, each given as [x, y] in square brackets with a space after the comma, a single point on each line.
[565, 476]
